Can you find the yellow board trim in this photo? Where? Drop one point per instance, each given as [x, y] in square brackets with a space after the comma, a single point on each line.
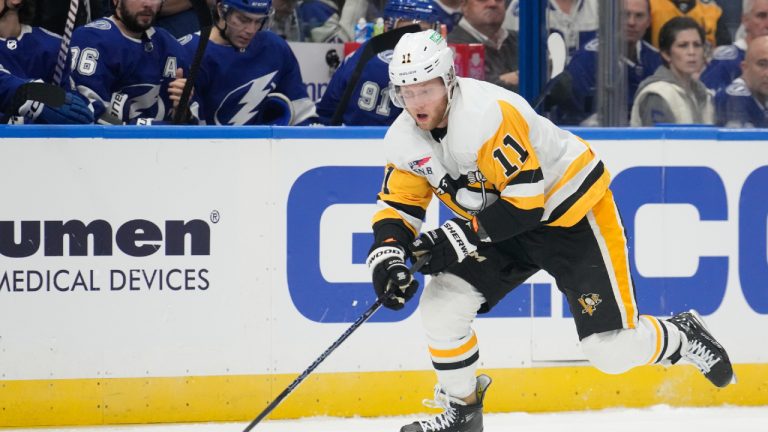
[242, 397]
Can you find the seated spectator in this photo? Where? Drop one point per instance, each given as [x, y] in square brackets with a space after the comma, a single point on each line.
[576, 20]
[575, 105]
[673, 94]
[448, 13]
[482, 24]
[744, 103]
[316, 20]
[125, 66]
[705, 12]
[370, 104]
[726, 60]
[248, 76]
[31, 54]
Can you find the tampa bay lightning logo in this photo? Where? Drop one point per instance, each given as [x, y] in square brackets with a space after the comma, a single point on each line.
[144, 101]
[386, 56]
[241, 105]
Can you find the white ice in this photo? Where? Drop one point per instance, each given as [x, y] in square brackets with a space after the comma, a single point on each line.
[658, 418]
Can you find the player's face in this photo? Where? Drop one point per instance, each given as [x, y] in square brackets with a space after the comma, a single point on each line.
[754, 69]
[686, 55]
[242, 27]
[637, 19]
[756, 20]
[138, 15]
[426, 102]
[12, 5]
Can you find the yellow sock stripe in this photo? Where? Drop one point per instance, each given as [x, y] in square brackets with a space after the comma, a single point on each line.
[448, 353]
[659, 335]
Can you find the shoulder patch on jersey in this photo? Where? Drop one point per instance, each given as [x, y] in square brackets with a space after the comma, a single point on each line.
[726, 52]
[386, 56]
[100, 24]
[592, 45]
[738, 88]
[185, 39]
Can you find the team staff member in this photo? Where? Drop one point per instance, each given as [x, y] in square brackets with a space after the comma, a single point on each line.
[527, 196]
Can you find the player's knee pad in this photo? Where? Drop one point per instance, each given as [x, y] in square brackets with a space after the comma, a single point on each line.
[617, 351]
[448, 305]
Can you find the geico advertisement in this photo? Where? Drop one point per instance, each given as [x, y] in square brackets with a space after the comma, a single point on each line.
[694, 212]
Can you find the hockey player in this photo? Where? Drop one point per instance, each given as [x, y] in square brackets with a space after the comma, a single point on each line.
[370, 104]
[249, 76]
[124, 65]
[744, 103]
[30, 54]
[527, 196]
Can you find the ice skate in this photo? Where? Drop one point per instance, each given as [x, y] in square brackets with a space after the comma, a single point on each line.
[698, 347]
[458, 416]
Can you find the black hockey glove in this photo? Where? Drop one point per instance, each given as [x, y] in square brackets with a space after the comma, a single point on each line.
[392, 281]
[448, 245]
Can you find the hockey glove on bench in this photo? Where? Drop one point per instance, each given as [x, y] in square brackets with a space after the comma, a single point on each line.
[392, 281]
[448, 245]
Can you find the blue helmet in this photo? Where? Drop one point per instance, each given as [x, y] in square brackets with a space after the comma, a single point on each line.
[417, 10]
[261, 7]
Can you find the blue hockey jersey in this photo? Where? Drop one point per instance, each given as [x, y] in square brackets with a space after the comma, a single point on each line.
[232, 84]
[583, 69]
[124, 76]
[369, 104]
[31, 56]
[725, 65]
[736, 107]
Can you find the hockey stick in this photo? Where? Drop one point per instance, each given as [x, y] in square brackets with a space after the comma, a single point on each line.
[377, 44]
[205, 20]
[66, 38]
[363, 318]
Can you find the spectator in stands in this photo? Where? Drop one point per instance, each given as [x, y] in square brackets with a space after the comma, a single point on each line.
[125, 66]
[317, 20]
[744, 103]
[370, 104]
[576, 20]
[705, 12]
[482, 24]
[726, 60]
[248, 75]
[31, 54]
[52, 14]
[574, 100]
[448, 13]
[673, 94]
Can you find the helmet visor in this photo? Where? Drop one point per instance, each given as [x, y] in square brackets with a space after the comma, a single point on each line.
[418, 95]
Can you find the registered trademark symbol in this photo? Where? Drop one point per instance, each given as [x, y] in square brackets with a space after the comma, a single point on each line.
[215, 216]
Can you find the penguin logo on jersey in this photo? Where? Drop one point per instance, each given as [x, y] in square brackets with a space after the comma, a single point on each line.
[241, 105]
[589, 303]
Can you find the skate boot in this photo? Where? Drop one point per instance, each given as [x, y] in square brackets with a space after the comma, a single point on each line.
[698, 347]
[458, 416]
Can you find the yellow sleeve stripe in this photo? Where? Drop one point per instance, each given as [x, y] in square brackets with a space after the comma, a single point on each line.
[526, 203]
[390, 213]
[584, 203]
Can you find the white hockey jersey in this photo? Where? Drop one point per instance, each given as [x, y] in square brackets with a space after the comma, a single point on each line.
[499, 162]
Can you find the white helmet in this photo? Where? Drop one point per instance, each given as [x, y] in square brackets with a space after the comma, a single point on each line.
[420, 57]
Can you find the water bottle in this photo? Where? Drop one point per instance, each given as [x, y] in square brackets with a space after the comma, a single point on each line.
[378, 28]
[361, 30]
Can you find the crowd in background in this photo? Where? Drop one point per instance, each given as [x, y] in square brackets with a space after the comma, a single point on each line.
[687, 61]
